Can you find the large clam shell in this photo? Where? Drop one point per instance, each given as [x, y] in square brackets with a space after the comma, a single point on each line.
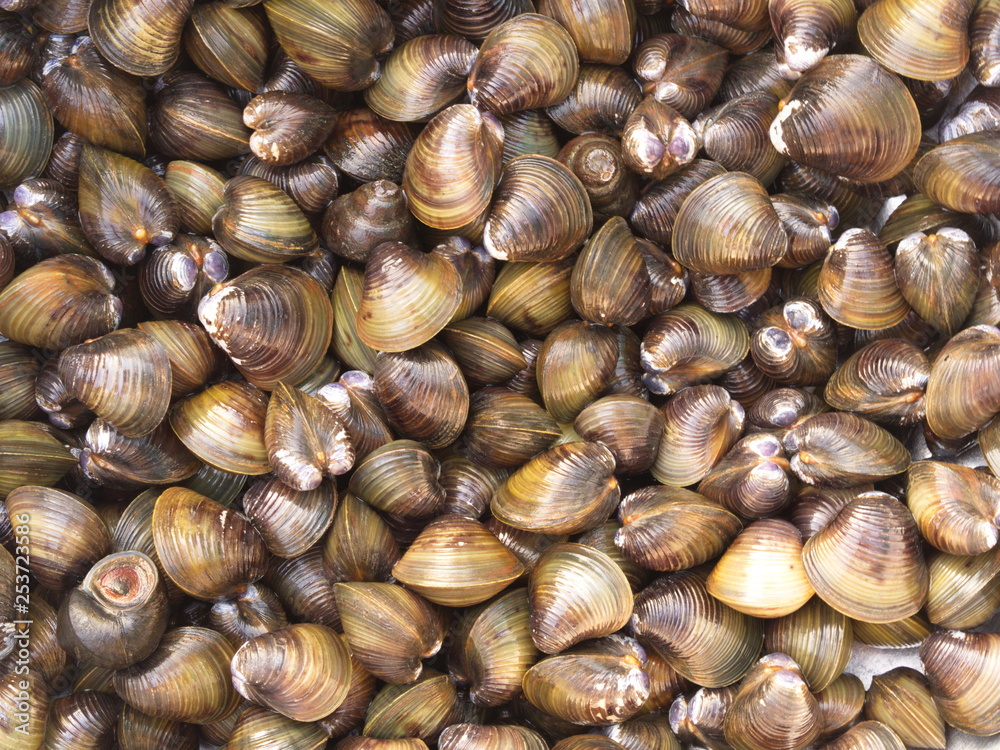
[142, 38]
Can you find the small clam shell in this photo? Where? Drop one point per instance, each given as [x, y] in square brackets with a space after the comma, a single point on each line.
[656, 209]
[668, 528]
[752, 480]
[476, 269]
[96, 100]
[823, 103]
[422, 708]
[346, 299]
[650, 731]
[193, 359]
[657, 140]
[757, 71]
[358, 222]
[423, 394]
[421, 77]
[359, 546]
[257, 725]
[795, 343]
[868, 735]
[527, 546]
[19, 371]
[368, 147]
[906, 633]
[260, 223]
[566, 687]
[408, 297]
[185, 679]
[198, 192]
[486, 350]
[457, 562]
[610, 284]
[65, 534]
[983, 41]
[901, 699]
[337, 47]
[964, 591]
[872, 539]
[809, 223]
[883, 381]
[817, 637]
[852, 207]
[746, 383]
[275, 323]
[773, 687]
[229, 43]
[529, 132]
[493, 649]
[688, 345]
[961, 669]
[527, 62]
[576, 593]
[761, 574]
[601, 101]
[705, 640]
[806, 31]
[113, 460]
[192, 117]
[575, 364]
[289, 520]
[399, 478]
[174, 278]
[959, 174]
[965, 365]
[305, 439]
[287, 126]
[630, 426]
[352, 399]
[565, 490]
[926, 42]
[732, 293]
[857, 286]
[735, 134]
[229, 553]
[956, 508]
[33, 456]
[124, 206]
[143, 39]
[250, 612]
[305, 590]
[123, 377]
[839, 450]
[532, 298]
[136, 728]
[302, 671]
[351, 713]
[501, 737]
[749, 235]
[702, 423]
[35, 719]
[505, 429]
[698, 717]
[601, 29]
[312, 183]
[938, 274]
[223, 425]
[681, 71]
[840, 705]
[469, 485]
[541, 212]
[453, 166]
[602, 539]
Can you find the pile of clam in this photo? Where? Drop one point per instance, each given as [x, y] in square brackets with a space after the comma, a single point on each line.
[481, 375]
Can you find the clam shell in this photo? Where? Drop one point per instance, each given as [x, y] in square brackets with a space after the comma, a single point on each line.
[505, 429]
[274, 322]
[185, 679]
[752, 480]
[422, 708]
[198, 192]
[401, 478]
[368, 147]
[143, 39]
[229, 43]
[540, 212]
[336, 46]
[206, 549]
[817, 637]
[630, 426]
[457, 562]
[809, 223]
[574, 366]
[680, 70]
[806, 32]
[964, 591]
[961, 670]
[959, 174]
[576, 593]
[668, 528]
[956, 508]
[964, 365]
[824, 103]
[501, 737]
[657, 140]
[289, 520]
[735, 134]
[175, 277]
[532, 298]
[598, 162]
[601, 29]
[223, 425]
[114, 460]
[360, 546]
[124, 377]
[655, 211]
[840, 705]
[408, 297]
[601, 101]
[527, 62]
[706, 641]
[902, 700]
[287, 126]
[868, 734]
[565, 490]
[867, 562]
[773, 687]
[761, 573]
[124, 206]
